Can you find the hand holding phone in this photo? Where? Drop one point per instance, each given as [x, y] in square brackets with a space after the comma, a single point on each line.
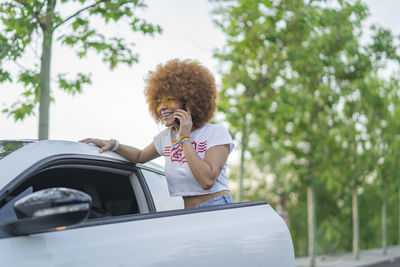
[176, 120]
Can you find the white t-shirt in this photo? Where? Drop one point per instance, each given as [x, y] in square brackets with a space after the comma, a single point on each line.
[181, 181]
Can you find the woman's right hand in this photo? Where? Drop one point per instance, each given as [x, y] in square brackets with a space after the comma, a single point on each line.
[105, 145]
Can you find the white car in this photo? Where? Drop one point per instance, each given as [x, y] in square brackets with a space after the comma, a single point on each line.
[63, 203]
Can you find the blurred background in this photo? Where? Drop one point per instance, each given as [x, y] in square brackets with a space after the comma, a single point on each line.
[308, 89]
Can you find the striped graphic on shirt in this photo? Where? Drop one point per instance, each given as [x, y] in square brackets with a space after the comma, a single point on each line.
[167, 151]
[202, 147]
[175, 153]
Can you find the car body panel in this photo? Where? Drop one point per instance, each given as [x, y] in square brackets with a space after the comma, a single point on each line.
[239, 234]
[213, 238]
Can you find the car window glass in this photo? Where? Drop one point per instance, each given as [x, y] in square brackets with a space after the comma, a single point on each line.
[7, 211]
[7, 147]
[159, 188]
[111, 192]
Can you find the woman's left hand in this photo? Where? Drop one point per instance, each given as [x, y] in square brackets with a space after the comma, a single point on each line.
[186, 123]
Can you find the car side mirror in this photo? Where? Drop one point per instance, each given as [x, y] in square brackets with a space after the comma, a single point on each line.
[49, 209]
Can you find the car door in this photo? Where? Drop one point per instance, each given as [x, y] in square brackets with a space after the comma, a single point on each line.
[125, 234]
[109, 183]
[229, 236]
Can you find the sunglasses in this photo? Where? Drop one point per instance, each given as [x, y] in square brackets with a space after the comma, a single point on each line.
[167, 101]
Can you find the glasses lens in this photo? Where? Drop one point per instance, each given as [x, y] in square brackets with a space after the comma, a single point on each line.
[157, 104]
[166, 101]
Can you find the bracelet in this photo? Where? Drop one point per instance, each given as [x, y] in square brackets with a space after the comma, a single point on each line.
[116, 145]
[176, 142]
[184, 140]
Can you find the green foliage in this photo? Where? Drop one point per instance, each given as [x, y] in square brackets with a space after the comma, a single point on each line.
[318, 111]
[74, 86]
[370, 211]
[19, 110]
[4, 76]
[25, 22]
[298, 223]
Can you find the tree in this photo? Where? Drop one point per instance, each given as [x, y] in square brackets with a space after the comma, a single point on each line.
[24, 21]
[385, 147]
[381, 105]
[246, 76]
[358, 95]
[284, 62]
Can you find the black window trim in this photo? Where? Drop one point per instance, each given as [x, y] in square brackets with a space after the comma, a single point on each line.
[146, 190]
[64, 159]
[163, 214]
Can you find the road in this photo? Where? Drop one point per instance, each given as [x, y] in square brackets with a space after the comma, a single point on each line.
[368, 258]
[389, 263]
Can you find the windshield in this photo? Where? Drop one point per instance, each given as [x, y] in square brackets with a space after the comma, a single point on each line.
[7, 147]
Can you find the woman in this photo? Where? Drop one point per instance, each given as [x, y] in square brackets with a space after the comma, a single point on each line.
[182, 95]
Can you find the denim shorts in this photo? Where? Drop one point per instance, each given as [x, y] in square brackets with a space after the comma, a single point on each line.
[220, 200]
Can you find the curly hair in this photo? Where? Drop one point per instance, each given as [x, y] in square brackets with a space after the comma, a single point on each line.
[187, 81]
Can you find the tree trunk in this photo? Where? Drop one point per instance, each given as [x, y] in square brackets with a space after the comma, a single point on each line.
[356, 226]
[242, 158]
[384, 237]
[312, 225]
[44, 75]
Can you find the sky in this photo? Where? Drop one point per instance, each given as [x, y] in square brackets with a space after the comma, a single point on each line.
[113, 106]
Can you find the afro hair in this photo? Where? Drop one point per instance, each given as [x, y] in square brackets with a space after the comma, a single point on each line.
[187, 81]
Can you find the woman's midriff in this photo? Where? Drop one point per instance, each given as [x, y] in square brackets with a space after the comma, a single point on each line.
[193, 201]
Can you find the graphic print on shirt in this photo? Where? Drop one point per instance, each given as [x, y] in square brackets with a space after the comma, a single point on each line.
[175, 153]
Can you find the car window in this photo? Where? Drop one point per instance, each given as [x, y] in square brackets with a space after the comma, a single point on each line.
[110, 190]
[7, 147]
[159, 188]
[7, 211]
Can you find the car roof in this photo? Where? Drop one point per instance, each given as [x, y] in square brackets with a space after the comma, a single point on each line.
[9, 146]
[31, 152]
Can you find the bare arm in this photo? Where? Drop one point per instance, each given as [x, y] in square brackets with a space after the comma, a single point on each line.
[130, 153]
[207, 170]
[138, 156]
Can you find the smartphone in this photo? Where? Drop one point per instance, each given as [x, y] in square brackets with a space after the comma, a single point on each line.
[176, 120]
